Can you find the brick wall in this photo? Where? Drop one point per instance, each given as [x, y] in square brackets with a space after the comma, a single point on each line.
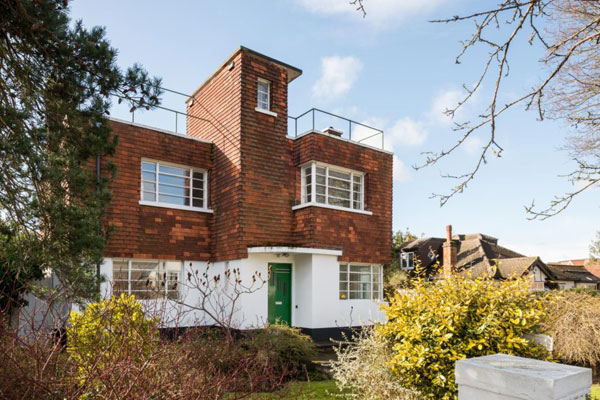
[267, 176]
[255, 179]
[363, 238]
[217, 108]
[154, 232]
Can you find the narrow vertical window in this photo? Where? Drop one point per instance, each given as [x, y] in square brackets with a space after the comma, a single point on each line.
[264, 95]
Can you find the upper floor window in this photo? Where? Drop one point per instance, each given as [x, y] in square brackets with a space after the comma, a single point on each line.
[360, 282]
[264, 95]
[172, 185]
[147, 279]
[407, 261]
[334, 186]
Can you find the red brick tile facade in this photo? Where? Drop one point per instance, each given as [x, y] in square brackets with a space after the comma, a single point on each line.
[255, 179]
[149, 232]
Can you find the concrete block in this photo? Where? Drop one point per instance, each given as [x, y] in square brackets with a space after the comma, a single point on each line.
[500, 376]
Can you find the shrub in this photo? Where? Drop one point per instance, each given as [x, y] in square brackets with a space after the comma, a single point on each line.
[284, 348]
[437, 323]
[110, 329]
[362, 368]
[574, 324]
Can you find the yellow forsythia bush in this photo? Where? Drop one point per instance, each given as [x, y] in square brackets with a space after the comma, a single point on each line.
[433, 324]
[112, 330]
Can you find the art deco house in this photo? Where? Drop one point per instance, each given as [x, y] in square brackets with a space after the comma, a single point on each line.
[311, 211]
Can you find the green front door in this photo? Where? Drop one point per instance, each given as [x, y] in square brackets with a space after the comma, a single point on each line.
[280, 293]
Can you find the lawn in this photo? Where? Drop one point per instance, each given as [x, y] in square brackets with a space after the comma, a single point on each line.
[320, 390]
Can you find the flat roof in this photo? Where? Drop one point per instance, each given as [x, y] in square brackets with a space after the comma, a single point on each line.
[293, 72]
[181, 135]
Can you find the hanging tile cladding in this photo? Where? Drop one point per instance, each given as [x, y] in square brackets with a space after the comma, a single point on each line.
[218, 102]
[153, 232]
[363, 238]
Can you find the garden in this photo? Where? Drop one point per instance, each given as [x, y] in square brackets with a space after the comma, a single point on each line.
[115, 349]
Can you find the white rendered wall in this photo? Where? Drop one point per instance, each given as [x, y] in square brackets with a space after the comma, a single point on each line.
[315, 294]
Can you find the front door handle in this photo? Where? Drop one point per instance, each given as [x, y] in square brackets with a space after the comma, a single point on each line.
[278, 303]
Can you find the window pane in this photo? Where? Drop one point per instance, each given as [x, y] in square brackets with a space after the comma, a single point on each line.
[198, 203]
[173, 190]
[320, 199]
[343, 286]
[149, 196]
[344, 267]
[357, 205]
[339, 202]
[172, 180]
[320, 171]
[174, 170]
[321, 179]
[149, 176]
[149, 187]
[199, 175]
[357, 179]
[341, 175]
[198, 193]
[336, 183]
[343, 276]
[182, 201]
[339, 193]
[321, 189]
[147, 166]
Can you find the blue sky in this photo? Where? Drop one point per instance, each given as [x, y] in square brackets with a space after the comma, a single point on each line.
[392, 69]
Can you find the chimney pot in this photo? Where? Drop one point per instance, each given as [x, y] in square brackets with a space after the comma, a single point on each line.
[448, 233]
[450, 253]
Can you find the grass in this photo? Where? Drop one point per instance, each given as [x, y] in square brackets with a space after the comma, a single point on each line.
[319, 390]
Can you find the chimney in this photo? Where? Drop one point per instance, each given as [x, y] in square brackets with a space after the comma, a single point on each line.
[450, 251]
[332, 131]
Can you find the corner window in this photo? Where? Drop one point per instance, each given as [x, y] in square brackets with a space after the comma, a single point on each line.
[147, 279]
[334, 186]
[360, 282]
[407, 261]
[169, 184]
[264, 95]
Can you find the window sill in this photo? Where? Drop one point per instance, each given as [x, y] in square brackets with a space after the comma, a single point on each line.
[175, 206]
[298, 207]
[271, 113]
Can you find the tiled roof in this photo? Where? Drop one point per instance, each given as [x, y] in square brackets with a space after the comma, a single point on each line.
[572, 273]
[514, 267]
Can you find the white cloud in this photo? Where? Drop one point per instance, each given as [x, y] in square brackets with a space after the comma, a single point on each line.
[380, 13]
[443, 101]
[473, 145]
[406, 132]
[400, 171]
[338, 75]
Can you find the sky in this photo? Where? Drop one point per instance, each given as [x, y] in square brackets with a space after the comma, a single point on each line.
[393, 70]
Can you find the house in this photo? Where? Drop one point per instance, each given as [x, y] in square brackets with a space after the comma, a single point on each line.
[481, 255]
[593, 266]
[311, 211]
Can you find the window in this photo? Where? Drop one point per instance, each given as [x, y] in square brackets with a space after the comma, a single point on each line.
[360, 282]
[164, 184]
[407, 261]
[323, 184]
[264, 95]
[147, 279]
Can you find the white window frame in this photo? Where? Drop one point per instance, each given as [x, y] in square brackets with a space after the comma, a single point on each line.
[131, 261]
[344, 294]
[158, 203]
[305, 202]
[409, 258]
[259, 104]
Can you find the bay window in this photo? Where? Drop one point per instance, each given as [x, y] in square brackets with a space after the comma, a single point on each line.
[360, 282]
[333, 186]
[169, 184]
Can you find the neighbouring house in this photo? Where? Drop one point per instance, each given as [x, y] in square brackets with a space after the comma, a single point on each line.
[593, 266]
[481, 255]
[311, 210]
